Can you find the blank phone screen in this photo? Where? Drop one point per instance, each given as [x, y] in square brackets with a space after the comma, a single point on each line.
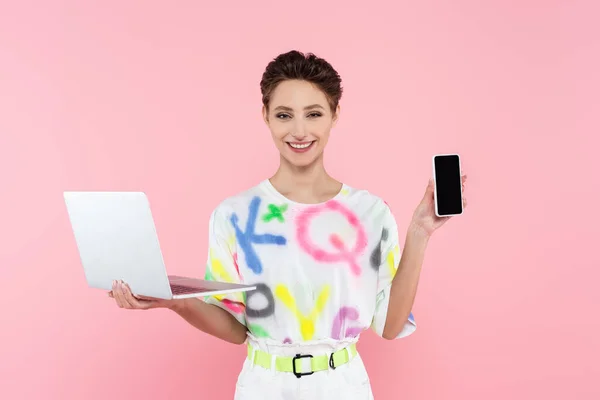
[448, 184]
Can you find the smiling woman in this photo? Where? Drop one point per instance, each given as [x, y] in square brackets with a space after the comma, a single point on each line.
[301, 96]
[326, 258]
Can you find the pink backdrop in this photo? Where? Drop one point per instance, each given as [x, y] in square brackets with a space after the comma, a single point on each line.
[163, 97]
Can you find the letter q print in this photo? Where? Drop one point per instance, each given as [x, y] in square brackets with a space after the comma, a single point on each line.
[342, 252]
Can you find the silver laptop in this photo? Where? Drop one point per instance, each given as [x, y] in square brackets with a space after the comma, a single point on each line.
[117, 240]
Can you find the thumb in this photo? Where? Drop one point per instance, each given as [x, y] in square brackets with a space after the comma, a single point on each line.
[430, 185]
[145, 298]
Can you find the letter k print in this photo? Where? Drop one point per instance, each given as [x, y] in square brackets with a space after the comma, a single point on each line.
[248, 238]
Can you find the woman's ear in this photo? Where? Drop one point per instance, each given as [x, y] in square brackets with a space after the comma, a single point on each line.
[336, 116]
[265, 114]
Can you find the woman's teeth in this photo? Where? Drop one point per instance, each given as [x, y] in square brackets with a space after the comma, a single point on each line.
[300, 146]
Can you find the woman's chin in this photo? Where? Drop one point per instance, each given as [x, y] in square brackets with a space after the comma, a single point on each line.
[301, 160]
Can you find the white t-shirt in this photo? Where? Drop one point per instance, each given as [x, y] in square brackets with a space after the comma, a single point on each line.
[323, 271]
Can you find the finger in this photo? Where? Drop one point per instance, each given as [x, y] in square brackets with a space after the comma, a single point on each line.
[130, 298]
[429, 188]
[113, 293]
[146, 298]
[126, 293]
[118, 294]
[137, 301]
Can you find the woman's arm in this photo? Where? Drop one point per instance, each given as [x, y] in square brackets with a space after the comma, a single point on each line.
[206, 317]
[210, 319]
[405, 282]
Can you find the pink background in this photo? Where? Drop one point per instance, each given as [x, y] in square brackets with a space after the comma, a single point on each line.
[164, 97]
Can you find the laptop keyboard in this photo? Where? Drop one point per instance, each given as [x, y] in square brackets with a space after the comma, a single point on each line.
[180, 289]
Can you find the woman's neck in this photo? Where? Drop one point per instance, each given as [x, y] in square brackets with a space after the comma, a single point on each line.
[310, 184]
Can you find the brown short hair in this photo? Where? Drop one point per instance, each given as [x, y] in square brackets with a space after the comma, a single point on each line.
[305, 67]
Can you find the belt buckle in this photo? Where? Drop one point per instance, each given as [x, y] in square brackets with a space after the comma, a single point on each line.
[300, 374]
[331, 363]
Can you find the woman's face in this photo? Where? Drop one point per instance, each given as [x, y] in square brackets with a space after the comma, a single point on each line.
[300, 120]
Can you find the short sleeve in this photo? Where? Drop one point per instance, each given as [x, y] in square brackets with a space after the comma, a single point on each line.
[390, 257]
[222, 266]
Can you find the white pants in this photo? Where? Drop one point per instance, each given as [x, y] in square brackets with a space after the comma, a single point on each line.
[349, 381]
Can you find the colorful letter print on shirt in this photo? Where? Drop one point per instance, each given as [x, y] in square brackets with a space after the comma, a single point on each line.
[343, 252]
[248, 238]
[275, 212]
[323, 271]
[306, 322]
[221, 265]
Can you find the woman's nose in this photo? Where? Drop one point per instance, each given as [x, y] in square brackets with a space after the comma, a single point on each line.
[299, 131]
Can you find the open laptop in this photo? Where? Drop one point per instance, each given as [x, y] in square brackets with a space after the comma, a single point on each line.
[117, 240]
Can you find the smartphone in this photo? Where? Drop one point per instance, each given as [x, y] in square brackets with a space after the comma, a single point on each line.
[447, 185]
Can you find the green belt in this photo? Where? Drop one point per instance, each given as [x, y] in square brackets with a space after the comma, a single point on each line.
[289, 364]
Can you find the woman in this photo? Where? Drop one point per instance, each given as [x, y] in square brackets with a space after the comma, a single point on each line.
[326, 257]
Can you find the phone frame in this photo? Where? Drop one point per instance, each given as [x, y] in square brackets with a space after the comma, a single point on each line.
[435, 202]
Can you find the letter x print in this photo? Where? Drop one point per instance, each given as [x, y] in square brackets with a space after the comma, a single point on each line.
[248, 238]
[275, 212]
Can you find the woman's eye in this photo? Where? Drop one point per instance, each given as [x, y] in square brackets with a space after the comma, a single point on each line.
[287, 116]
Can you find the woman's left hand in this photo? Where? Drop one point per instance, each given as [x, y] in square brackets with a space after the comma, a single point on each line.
[424, 217]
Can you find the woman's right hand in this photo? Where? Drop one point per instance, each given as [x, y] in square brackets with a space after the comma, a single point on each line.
[124, 298]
